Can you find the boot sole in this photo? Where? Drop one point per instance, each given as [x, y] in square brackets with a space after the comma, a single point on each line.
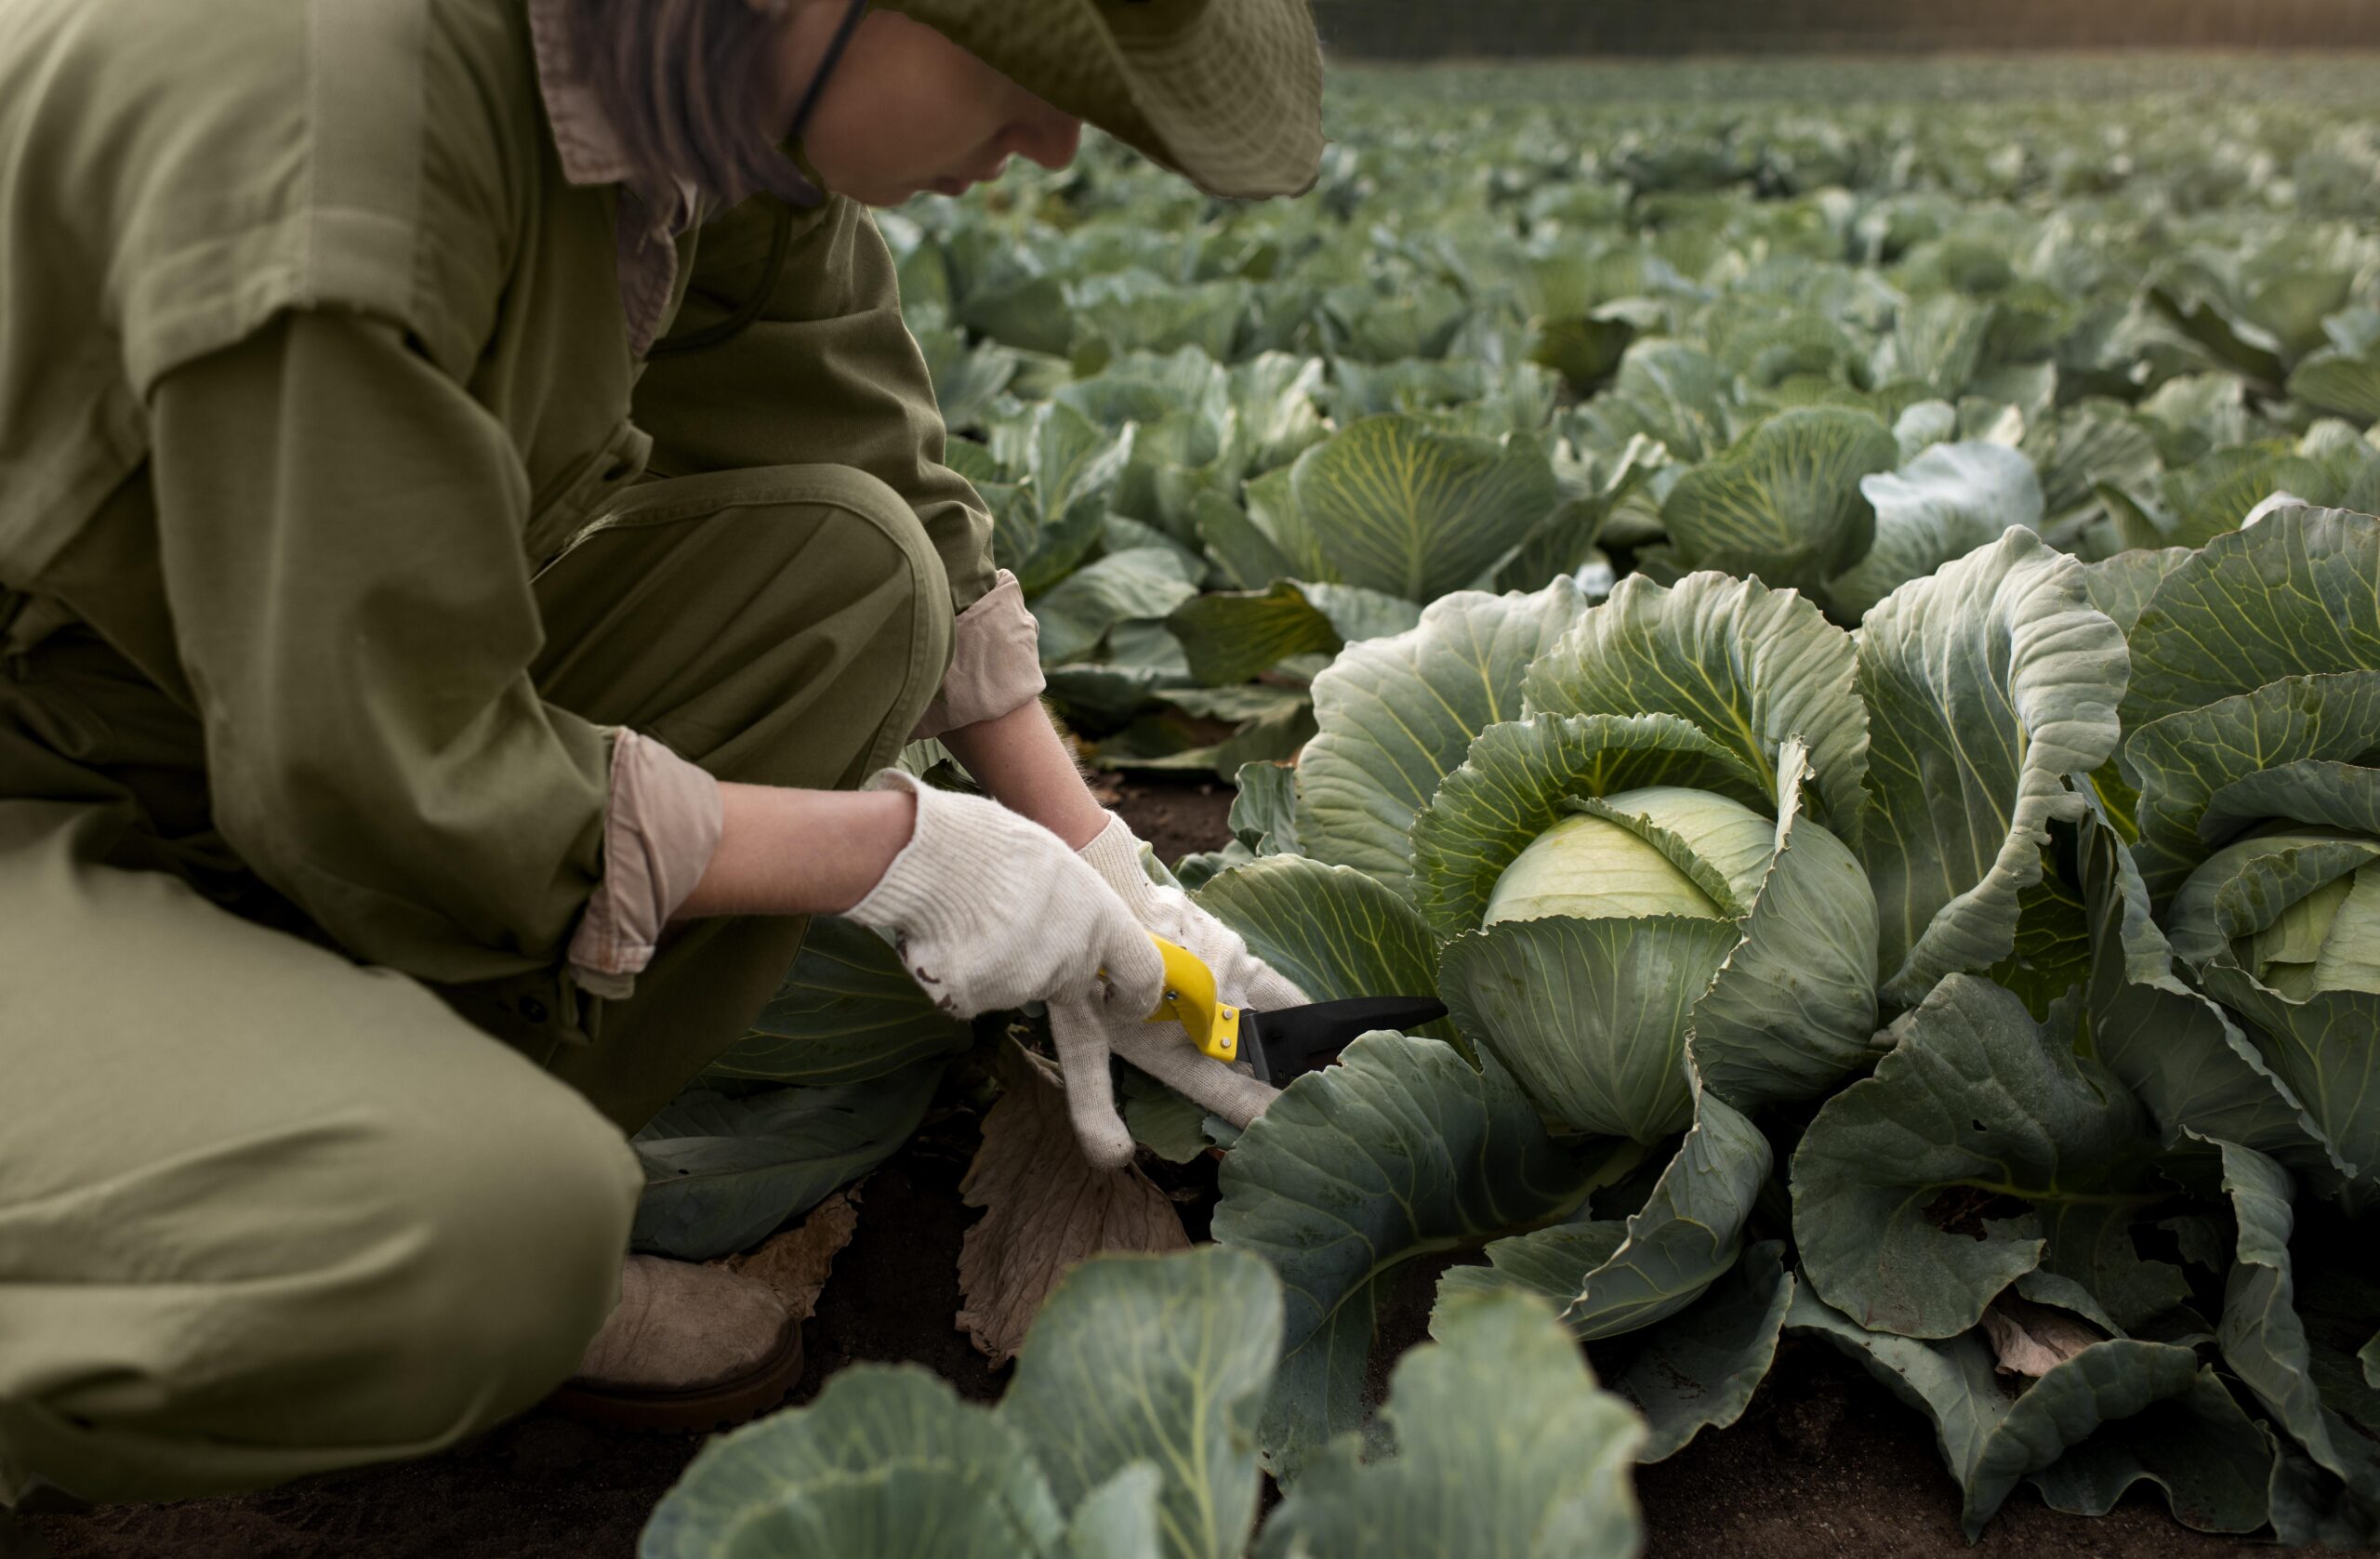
[699, 1411]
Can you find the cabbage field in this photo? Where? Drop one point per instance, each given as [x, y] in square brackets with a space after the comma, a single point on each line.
[1840, 633]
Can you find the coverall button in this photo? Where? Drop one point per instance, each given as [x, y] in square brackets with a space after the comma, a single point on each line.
[533, 1009]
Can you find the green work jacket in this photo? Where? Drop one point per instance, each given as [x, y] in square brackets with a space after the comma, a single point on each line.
[317, 561]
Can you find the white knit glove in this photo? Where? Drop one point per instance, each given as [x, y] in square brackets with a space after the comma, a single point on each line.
[989, 910]
[1085, 1037]
[1241, 978]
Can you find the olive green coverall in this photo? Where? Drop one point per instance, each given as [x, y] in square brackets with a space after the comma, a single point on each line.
[340, 522]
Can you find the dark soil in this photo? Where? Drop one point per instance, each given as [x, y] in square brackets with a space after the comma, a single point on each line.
[1824, 1462]
[1176, 818]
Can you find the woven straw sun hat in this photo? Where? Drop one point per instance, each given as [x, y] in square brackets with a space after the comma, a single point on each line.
[1227, 93]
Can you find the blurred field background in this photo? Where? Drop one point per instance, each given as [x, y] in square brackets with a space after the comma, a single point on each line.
[1454, 28]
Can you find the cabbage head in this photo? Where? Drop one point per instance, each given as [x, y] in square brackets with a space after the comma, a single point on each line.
[1698, 830]
[1594, 864]
[2254, 721]
[2296, 909]
[1627, 930]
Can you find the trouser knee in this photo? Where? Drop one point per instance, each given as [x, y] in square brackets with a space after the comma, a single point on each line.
[372, 1284]
[507, 1253]
[787, 624]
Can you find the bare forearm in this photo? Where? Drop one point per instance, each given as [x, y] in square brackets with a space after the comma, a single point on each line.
[784, 851]
[1020, 759]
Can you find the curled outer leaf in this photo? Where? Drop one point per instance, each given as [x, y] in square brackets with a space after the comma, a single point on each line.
[2325, 1048]
[2297, 593]
[1699, 1369]
[1794, 1009]
[1897, 1181]
[1686, 1236]
[1987, 685]
[1952, 499]
[2264, 1340]
[2248, 886]
[1395, 714]
[2130, 1410]
[1515, 783]
[2286, 751]
[1748, 666]
[1503, 1446]
[2178, 1052]
[1400, 1150]
[1696, 1370]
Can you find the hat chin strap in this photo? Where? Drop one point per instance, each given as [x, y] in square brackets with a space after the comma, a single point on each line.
[826, 63]
[781, 228]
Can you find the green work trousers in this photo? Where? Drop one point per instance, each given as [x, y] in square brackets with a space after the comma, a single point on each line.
[266, 1212]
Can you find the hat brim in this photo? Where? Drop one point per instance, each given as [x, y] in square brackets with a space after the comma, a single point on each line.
[1228, 93]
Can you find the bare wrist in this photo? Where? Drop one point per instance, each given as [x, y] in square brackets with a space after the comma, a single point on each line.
[888, 819]
[784, 851]
[1025, 766]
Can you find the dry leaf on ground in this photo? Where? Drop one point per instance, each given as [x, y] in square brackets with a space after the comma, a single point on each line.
[2032, 1339]
[797, 1262]
[1046, 1207]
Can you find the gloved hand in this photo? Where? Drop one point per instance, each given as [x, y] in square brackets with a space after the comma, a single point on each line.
[1085, 1036]
[1241, 978]
[989, 910]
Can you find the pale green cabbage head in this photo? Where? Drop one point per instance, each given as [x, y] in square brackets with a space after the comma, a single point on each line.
[2296, 908]
[1635, 921]
[1595, 864]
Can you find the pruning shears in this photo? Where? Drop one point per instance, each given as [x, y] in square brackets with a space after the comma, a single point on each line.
[1281, 1044]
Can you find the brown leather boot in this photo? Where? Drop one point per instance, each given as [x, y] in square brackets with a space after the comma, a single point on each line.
[691, 1349]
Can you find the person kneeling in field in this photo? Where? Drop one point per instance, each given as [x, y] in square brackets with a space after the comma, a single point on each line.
[473, 535]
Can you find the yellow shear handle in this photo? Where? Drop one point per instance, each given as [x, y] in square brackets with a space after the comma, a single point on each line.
[1190, 999]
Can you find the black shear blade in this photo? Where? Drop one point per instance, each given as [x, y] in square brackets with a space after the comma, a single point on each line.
[1295, 1041]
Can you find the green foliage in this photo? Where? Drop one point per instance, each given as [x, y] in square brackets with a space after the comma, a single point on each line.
[846, 1012]
[722, 1170]
[1831, 350]
[2043, 1111]
[1528, 481]
[1402, 1150]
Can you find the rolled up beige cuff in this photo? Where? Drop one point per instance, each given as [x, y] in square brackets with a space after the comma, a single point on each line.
[659, 834]
[995, 662]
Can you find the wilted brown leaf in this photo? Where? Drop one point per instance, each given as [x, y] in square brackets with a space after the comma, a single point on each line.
[797, 1262]
[1045, 1207]
[2032, 1339]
